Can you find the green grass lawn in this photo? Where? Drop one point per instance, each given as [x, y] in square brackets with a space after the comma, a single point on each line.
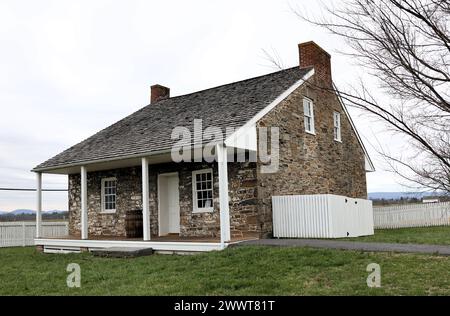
[235, 271]
[427, 235]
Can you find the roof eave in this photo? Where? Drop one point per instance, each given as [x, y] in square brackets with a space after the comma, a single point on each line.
[94, 161]
[272, 105]
[368, 161]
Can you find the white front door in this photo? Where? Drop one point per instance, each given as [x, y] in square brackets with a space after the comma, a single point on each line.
[169, 204]
[173, 202]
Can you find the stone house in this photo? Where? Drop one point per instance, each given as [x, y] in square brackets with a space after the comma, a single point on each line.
[125, 184]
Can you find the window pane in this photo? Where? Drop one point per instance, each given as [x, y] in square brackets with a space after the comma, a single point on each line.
[203, 190]
[109, 194]
[336, 119]
[306, 108]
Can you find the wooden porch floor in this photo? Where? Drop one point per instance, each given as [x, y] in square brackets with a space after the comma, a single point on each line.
[169, 238]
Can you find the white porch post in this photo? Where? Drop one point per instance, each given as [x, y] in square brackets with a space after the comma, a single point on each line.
[222, 160]
[84, 206]
[145, 200]
[38, 205]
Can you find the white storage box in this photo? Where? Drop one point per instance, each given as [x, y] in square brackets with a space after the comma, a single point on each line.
[321, 216]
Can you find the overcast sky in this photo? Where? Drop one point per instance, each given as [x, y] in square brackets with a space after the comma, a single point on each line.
[71, 68]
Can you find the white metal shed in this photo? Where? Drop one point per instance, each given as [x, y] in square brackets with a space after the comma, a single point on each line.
[321, 216]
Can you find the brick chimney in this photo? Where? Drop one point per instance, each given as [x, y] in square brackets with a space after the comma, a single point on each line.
[312, 55]
[159, 92]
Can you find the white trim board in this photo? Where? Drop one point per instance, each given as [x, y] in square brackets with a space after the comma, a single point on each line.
[369, 164]
[155, 245]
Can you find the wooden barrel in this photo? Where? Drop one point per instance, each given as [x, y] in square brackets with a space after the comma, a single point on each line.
[134, 224]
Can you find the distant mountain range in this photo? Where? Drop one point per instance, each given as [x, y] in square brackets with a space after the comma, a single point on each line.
[399, 195]
[28, 212]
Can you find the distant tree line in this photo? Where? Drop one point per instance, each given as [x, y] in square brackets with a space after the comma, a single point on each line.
[406, 200]
[32, 217]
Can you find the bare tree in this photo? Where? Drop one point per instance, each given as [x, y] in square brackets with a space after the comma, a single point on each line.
[405, 45]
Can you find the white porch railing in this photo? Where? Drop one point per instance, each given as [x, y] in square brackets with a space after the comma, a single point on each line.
[412, 215]
[21, 234]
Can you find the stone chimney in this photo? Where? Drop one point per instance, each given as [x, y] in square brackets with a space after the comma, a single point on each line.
[312, 55]
[159, 92]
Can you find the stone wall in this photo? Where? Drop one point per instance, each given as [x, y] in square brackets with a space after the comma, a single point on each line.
[242, 187]
[129, 197]
[311, 164]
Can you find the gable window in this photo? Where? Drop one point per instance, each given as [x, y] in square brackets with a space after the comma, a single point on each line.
[202, 184]
[337, 126]
[308, 110]
[109, 195]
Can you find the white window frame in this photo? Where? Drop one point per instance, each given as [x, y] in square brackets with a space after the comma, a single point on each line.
[196, 209]
[310, 104]
[337, 126]
[105, 211]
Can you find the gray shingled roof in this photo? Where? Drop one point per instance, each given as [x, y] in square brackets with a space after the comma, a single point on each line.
[149, 129]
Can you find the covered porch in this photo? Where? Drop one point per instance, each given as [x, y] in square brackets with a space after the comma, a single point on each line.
[165, 240]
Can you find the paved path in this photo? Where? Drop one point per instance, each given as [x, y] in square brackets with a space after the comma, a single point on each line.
[351, 245]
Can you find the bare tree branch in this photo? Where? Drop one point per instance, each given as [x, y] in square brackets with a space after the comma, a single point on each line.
[405, 45]
[273, 59]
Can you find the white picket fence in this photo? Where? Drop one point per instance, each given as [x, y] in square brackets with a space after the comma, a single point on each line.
[412, 215]
[16, 234]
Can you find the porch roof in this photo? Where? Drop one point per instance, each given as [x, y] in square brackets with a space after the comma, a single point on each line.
[148, 131]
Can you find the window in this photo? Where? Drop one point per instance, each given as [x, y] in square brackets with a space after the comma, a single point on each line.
[337, 126]
[308, 110]
[109, 191]
[202, 183]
